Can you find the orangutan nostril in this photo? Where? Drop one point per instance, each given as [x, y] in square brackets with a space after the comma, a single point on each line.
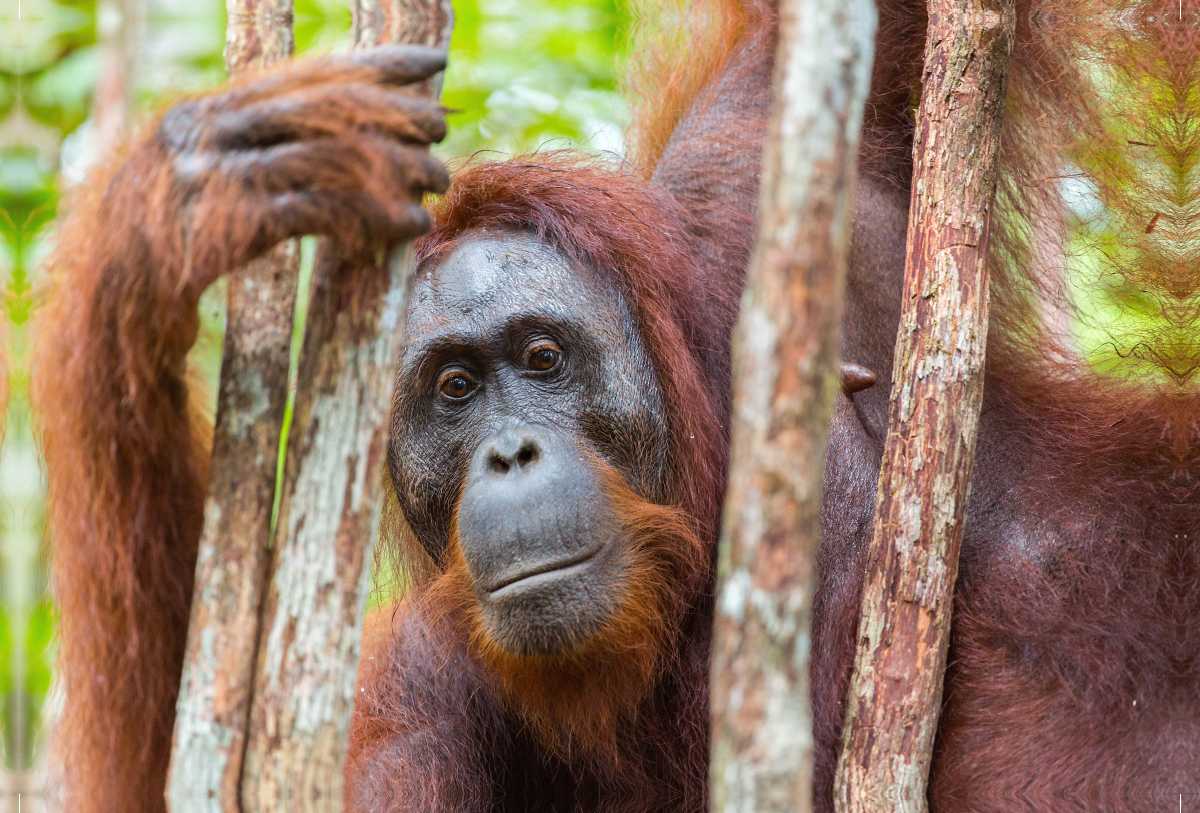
[498, 464]
[527, 454]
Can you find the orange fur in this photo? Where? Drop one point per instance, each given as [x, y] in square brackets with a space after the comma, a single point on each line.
[678, 49]
[124, 509]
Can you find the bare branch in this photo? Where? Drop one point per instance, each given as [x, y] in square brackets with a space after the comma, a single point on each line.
[214, 699]
[786, 368]
[332, 499]
[924, 482]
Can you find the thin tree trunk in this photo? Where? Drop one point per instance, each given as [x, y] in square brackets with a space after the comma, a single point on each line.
[214, 700]
[786, 377]
[896, 692]
[123, 22]
[332, 498]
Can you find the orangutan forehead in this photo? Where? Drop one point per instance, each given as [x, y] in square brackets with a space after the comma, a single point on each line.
[498, 278]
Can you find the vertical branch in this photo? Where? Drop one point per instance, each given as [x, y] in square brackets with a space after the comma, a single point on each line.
[332, 499]
[895, 695]
[786, 377]
[214, 700]
[120, 24]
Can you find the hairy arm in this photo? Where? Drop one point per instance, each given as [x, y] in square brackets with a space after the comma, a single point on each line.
[333, 147]
[415, 670]
[713, 159]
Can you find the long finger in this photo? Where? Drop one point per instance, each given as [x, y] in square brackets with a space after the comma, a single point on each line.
[362, 162]
[394, 65]
[359, 222]
[327, 111]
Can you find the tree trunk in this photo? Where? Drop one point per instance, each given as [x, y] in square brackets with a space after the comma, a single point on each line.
[332, 498]
[786, 377]
[896, 693]
[120, 38]
[214, 700]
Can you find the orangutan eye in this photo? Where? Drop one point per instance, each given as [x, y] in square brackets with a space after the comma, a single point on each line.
[456, 385]
[544, 357]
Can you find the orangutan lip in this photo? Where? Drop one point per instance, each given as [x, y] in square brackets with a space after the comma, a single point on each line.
[543, 569]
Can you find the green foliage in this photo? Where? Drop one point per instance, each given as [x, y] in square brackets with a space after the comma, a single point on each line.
[320, 25]
[1131, 184]
[527, 73]
[28, 198]
[39, 650]
[6, 658]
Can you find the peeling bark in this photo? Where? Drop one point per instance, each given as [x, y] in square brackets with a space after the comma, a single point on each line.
[786, 378]
[214, 701]
[896, 692]
[332, 499]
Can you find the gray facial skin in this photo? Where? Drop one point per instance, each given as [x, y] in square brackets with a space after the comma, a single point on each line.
[519, 371]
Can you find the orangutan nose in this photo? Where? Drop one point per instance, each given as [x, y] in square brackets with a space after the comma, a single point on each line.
[511, 448]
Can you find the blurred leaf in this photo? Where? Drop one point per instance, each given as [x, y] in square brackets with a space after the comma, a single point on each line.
[522, 74]
[321, 25]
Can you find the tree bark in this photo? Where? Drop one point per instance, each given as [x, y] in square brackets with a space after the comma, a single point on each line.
[786, 377]
[904, 631]
[231, 574]
[333, 492]
[214, 700]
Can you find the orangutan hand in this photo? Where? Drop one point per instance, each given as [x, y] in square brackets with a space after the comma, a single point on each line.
[333, 146]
